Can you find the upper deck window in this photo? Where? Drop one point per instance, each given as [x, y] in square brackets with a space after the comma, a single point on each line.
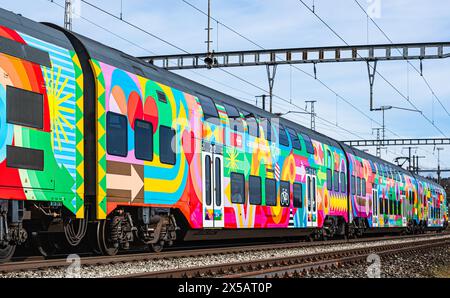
[294, 138]
[308, 144]
[24, 107]
[208, 107]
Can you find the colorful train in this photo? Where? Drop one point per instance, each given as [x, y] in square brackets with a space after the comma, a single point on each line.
[99, 148]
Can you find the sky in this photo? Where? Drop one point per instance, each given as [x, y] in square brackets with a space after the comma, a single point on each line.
[289, 24]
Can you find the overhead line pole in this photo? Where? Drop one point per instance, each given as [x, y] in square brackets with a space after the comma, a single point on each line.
[68, 15]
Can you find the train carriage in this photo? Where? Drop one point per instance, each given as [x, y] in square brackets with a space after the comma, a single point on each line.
[99, 148]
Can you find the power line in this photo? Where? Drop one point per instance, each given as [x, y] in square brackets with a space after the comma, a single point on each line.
[287, 101]
[149, 51]
[409, 62]
[184, 51]
[387, 81]
[297, 68]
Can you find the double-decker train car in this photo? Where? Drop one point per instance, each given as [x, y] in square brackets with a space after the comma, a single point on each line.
[99, 148]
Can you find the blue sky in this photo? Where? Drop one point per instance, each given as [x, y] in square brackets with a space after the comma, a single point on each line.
[287, 23]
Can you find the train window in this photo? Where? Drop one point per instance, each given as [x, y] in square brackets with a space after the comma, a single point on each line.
[343, 183]
[143, 140]
[298, 194]
[116, 134]
[372, 166]
[236, 124]
[271, 192]
[167, 152]
[358, 186]
[234, 117]
[329, 179]
[237, 188]
[24, 51]
[294, 139]
[208, 107]
[232, 112]
[208, 183]
[283, 138]
[363, 187]
[336, 181]
[353, 185]
[161, 96]
[254, 185]
[24, 158]
[267, 128]
[24, 107]
[308, 143]
[285, 193]
[381, 203]
[253, 128]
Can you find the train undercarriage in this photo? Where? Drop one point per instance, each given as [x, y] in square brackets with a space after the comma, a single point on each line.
[48, 229]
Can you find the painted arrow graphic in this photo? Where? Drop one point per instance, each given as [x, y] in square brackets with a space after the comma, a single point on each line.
[125, 180]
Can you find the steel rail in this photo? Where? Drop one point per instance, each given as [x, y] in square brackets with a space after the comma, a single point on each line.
[30, 265]
[281, 266]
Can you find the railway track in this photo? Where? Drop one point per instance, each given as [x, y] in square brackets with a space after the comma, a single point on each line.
[34, 265]
[294, 266]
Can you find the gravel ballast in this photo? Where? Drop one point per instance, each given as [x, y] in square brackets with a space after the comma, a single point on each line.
[431, 263]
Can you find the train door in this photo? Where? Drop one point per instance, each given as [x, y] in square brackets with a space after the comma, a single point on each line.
[375, 207]
[213, 190]
[311, 195]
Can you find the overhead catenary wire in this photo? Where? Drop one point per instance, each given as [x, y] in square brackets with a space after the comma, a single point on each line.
[186, 52]
[384, 78]
[408, 61]
[149, 51]
[433, 93]
[153, 35]
[335, 93]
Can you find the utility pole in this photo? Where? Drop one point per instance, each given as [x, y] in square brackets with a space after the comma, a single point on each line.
[68, 15]
[439, 163]
[263, 97]
[271, 72]
[378, 142]
[209, 55]
[410, 161]
[312, 113]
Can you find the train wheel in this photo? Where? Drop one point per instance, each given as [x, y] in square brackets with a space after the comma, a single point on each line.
[157, 247]
[6, 253]
[103, 243]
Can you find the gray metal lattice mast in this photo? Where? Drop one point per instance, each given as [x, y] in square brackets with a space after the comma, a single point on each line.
[68, 15]
[312, 113]
[271, 73]
[378, 142]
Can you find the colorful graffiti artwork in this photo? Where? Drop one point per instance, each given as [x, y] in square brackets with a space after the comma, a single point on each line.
[60, 139]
